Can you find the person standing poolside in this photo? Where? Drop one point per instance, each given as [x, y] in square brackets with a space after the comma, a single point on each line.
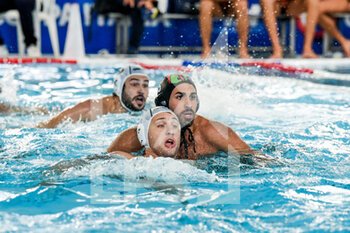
[130, 94]
[25, 8]
[199, 135]
[218, 8]
[133, 8]
[271, 9]
[317, 13]
[159, 132]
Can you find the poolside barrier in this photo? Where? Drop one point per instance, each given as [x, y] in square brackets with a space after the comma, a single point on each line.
[266, 65]
[278, 66]
[321, 76]
[180, 68]
[188, 66]
[41, 60]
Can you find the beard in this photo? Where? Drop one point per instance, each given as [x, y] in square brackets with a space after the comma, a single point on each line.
[186, 122]
[127, 101]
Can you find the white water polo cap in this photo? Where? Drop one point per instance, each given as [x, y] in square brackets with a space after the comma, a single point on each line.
[123, 74]
[143, 126]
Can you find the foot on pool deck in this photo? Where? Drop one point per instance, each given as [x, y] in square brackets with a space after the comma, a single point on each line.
[309, 54]
[346, 48]
[243, 53]
[244, 56]
[205, 53]
[276, 55]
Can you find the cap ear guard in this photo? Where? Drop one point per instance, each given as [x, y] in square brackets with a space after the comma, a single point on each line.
[159, 101]
[142, 128]
[141, 134]
[117, 80]
[163, 93]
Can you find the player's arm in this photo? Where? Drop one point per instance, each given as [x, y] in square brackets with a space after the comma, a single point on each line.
[148, 153]
[225, 139]
[126, 141]
[80, 111]
[125, 154]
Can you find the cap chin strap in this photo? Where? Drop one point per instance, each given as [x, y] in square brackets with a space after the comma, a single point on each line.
[121, 102]
[190, 139]
[124, 106]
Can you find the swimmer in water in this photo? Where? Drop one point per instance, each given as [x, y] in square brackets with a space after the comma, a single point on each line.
[159, 132]
[199, 135]
[7, 108]
[130, 94]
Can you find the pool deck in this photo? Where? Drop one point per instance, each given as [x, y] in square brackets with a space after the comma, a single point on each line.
[322, 68]
[319, 63]
[170, 60]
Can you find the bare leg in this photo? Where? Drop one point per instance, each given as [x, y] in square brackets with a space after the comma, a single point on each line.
[270, 15]
[316, 8]
[313, 11]
[334, 6]
[296, 7]
[329, 25]
[326, 22]
[241, 12]
[207, 8]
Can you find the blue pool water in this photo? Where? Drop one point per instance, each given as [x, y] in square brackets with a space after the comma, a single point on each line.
[48, 185]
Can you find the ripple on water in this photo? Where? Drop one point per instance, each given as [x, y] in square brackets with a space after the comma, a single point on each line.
[303, 124]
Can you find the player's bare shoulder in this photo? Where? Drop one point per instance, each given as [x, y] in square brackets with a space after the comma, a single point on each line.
[210, 128]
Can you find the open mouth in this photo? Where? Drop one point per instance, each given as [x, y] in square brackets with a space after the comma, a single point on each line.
[140, 100]
[170, 143]
[188, 114]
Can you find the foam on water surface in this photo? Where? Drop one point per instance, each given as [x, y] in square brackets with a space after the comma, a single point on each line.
[299, 121]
